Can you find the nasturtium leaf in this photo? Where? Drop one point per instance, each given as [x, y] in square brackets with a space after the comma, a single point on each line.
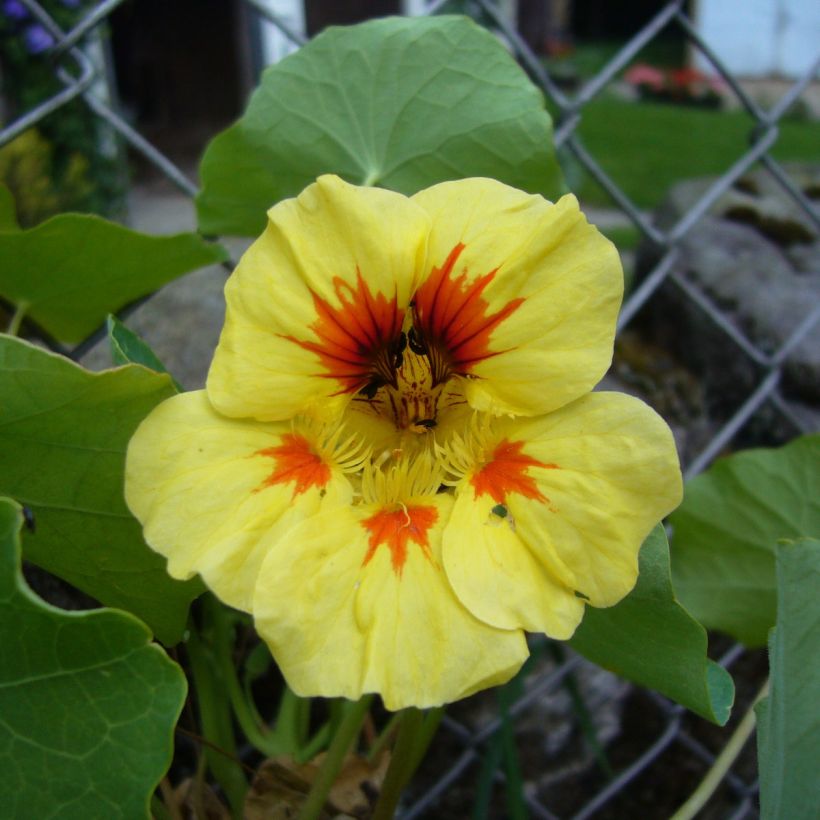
[652, 640]
[726, 528]
[63, 435]
[401, 103]
[128, 348]
[8, 212]
[88, 703]
[788, 731]
[74, 269]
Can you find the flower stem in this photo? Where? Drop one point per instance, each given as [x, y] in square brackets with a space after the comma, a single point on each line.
[257, 733]
[416, 730]
[723, 762]
[159, 810]
[214, 710]
[346, 733]
[292, 723]
[384, 738]
[17, 318]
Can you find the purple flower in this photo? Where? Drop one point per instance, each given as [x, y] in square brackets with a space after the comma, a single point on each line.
[37, 39]
[15, 10]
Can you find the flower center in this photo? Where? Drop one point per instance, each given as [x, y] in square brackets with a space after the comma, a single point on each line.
[417, 396]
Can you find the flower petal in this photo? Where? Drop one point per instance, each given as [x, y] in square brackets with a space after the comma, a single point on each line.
[209, 489]
[354, 606]
[317, 302]
[582, 487]
[499, 577]
[515, 286]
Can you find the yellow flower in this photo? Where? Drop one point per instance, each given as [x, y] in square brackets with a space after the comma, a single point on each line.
[397, 465]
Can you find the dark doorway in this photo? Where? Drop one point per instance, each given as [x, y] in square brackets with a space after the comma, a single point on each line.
[177, 67]
[321, 13]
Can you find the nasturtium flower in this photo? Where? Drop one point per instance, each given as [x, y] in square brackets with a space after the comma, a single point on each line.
[398, 465]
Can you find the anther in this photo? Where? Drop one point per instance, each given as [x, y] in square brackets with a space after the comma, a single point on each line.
[416, 342]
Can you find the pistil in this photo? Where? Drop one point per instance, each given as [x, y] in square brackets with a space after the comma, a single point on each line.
[414, 400]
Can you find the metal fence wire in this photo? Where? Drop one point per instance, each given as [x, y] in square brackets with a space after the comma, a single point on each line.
[671, 737]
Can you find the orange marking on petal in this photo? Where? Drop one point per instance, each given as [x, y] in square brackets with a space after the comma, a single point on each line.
[297, 462]
[453, 319]
[355, 340]
[506, 473]
[394, 528]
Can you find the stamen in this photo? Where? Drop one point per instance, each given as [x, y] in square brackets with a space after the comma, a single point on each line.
[461, 454]
[407, 478]
[419, 391]
[347, 454]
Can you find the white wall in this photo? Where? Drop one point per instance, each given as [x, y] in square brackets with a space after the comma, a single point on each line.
[760, 37]
[276, 45]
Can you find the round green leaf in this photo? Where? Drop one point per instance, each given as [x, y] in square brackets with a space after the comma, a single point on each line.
[88, 703]
[401, 103]
[724, 534]
[788, 732]
[652, 640]
[74, 269]
[63, 435]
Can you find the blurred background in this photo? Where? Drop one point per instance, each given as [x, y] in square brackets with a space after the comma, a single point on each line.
[180, 71]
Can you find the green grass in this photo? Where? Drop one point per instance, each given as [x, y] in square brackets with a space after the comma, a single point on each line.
[646, 147]
[626, 237]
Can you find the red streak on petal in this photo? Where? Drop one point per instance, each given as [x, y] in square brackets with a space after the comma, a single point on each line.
[355, 340]
[394, 528]
[506, 473]
[452, 315]
[296, 462]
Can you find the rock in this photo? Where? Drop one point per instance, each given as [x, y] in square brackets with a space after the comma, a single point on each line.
[756, 257]
[756, 199]
[650, 373]
[780, 220]
[805, 258]
[181, 323]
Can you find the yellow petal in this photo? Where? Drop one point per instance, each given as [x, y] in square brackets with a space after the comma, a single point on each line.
[499, 577]
[521, 294]
[346, 613]
[317, 302]
[208, 490]
[584, 486]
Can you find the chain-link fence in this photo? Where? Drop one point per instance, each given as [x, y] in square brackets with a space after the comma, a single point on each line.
[669, 737]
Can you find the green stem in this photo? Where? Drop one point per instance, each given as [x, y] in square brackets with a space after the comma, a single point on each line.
[314, 745]
[215, 713]
[268, 743]
[371, 178]
[247, 691]
[159, 810]
[265, 741]
[384, 738]
[346, 733]
[416, 730]
[723, 762]
[198, 787]
[292, 722]
[579, 706]
[514, 789]
[17, 318]
[428, 731]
